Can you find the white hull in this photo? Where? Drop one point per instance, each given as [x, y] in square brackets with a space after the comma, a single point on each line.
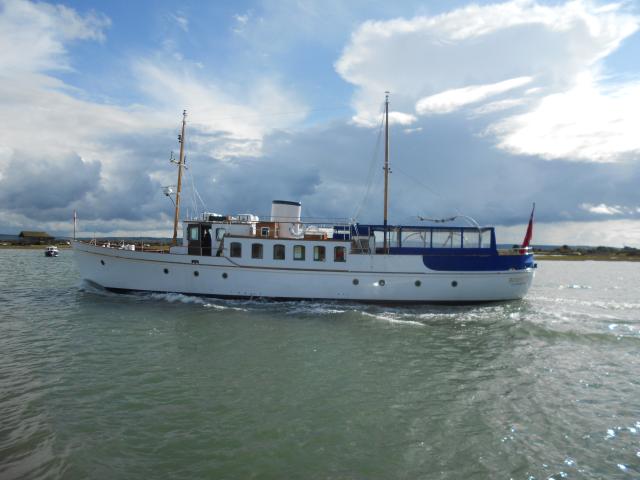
[405, 277]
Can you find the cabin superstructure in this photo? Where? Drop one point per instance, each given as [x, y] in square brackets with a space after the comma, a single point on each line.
[286, 239]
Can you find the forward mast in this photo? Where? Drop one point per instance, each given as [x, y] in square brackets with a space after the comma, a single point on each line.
[386, 169]
[179, 186]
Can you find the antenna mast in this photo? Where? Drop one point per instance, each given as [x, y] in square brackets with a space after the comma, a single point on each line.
[386, 167]
[179, 187]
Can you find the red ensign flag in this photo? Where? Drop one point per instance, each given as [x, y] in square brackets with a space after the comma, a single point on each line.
[529, 234]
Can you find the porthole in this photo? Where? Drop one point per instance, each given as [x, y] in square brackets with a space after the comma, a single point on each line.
[381, 283]
[418, 283]
[102, 262]
[166, 270]
[454, 284]
[356, 281]
[196, 273]
[224, 275]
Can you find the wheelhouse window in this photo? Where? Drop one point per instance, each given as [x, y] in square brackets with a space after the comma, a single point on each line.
[485, 238]
[298, 252]
[278, 252]
[264, 232]
[235, 249]
[338, 254]
[443, 239]
[319, 253]
[194, 233]
[471, 239]
[256, 250]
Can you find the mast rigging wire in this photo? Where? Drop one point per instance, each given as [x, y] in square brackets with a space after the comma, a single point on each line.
[372, 170]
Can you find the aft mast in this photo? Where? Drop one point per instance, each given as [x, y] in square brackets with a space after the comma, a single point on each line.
[386, 168]
[179, 186]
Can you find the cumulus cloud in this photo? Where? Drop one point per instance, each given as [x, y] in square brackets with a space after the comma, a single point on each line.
[604, 209]
[450, 100]
[228, 125]
[462, 84]
[473, 54]
[34, 186]
[590, 122]
[105, 157]
[33, 36]
[181, 20]
[241, 21]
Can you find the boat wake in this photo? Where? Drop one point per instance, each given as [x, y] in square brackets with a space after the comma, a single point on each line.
[393, 318]
[394, 315]
[177, 298]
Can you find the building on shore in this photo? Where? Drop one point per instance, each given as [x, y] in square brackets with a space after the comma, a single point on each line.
[35, 238]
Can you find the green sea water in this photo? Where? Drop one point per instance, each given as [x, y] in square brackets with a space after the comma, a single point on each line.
[105, 386]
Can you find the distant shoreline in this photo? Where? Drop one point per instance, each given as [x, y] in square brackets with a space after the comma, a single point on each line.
[575, 258]
[582, 258]
[33, 247]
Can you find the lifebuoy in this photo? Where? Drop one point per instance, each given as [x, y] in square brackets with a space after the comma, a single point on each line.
[297, 230]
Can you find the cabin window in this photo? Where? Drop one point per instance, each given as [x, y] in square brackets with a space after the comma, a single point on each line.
[471, 239]
[416, 239]
[456, 240]
[485, 239]
[256, 250]
[319, 253]
[278, 252]
[298, 252]
[443, 239]
[194, 233]
[264, 232]
[235, 249]
[338, 254]
[220, 233]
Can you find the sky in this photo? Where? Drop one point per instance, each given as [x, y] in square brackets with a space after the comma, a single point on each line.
[493, 106]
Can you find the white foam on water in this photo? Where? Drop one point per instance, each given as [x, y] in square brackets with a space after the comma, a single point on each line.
[606, 305]
[314, 309]
[436, 315]
[216, 306]
[574, 286]
[388, 317]
[177, 298]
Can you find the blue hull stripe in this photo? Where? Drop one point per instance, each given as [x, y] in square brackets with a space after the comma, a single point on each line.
[477, 263]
